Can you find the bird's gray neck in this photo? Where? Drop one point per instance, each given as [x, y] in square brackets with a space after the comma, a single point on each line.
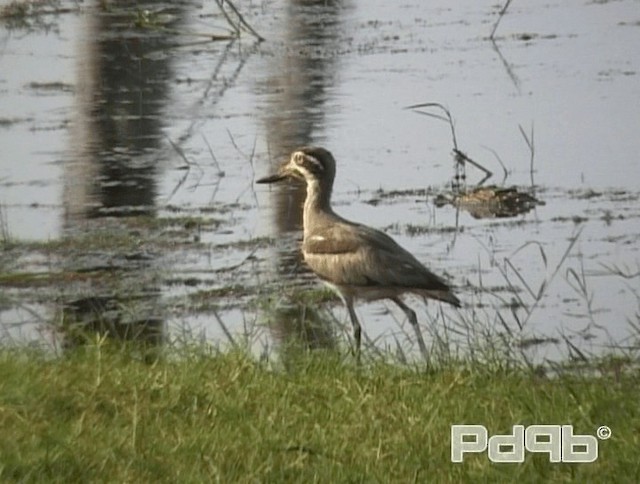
[317, 205]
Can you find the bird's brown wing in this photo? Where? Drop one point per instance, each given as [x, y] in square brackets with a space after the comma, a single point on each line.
[357, 255]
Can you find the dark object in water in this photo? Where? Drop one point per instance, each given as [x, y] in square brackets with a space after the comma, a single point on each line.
[490, 201]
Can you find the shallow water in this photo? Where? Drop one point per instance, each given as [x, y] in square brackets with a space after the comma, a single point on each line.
[101, 121]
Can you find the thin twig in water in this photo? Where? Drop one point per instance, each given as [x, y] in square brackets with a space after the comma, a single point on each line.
[504, 168]
[152, 21]
[5, 234]
[241, 19]
[516, 300]
[180, 152]
[459, 166]
[573, 348]
[460, 157]
[500, 15]
[400, 354]
[448, 117]
[250, 158]
[507, 66]
[535, 296]
[225, 330]
[622, 272]
[226, 16]
[239, 264]
[187, 168]
[233, 142]
[504, 324]
[220, 174]
[522, 279]
[252, 155]
[547, 282]
[215, 73]
[532, 150]
[543, 254]
[463, 158]
[213, 157]
[253, 171]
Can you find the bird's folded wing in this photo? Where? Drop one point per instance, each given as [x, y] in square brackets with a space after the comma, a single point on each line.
[362, 256]
[331, 240]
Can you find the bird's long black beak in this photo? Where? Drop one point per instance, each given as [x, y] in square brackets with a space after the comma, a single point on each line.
[272, 178]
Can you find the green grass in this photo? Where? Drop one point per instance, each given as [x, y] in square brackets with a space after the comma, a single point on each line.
[99, 413]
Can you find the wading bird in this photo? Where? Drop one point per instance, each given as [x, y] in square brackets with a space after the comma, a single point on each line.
[357, 261]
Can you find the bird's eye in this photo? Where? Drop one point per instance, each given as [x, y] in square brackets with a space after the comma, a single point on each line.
[298, 158]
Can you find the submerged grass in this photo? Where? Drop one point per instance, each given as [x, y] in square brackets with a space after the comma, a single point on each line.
[100, 413]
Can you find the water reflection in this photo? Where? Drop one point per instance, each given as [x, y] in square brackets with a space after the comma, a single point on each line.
[301, 84]
[108, 315]
[122, 87]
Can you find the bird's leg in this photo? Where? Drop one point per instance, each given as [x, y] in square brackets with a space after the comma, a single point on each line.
[357, 329]
[411, 316]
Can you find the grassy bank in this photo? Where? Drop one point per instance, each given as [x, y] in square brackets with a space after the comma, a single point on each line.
[102, 414]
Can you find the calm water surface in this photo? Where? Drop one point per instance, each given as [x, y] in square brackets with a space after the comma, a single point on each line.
[102, 122]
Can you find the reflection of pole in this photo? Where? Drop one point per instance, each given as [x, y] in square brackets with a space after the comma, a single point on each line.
[296, 117]
[104, 315]
[111, 175]
[300, 322]
[79, 173]
[300, 82]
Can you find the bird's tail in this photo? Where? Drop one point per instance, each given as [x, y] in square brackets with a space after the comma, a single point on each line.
[444, 296]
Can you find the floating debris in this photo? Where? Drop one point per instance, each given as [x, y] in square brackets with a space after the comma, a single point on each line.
[490, 201]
